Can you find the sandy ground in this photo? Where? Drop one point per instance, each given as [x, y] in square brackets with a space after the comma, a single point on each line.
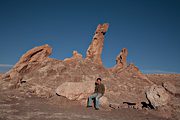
[18, 106]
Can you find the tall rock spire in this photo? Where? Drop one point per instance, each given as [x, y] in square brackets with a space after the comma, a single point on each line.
[95, 49]
[121, 58]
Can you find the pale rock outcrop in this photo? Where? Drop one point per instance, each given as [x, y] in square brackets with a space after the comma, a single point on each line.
[1, 76]
[28, 62]
[135, 72]
[122, 69]
[76, 90]
[36, 54]
[40, 91]
[121, 59]
[170, 87]
[103, 101]
[95, 49]
[76, 56]
[157, 96]
[80, 91]
[131, 71]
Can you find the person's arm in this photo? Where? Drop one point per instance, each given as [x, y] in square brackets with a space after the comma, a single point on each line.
[96, 82]
[103, 89]
[95, 89]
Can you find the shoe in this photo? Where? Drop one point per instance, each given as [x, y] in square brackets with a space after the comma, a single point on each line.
[96, 108]
[89, 106]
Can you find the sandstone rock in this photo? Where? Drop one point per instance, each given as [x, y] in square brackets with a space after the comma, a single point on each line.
[36, 54]
[157, 96]
[76, 56]
[131, 71]
[95, 49]
[41, 91]
[76, 90]
[74, 77]
[169, 87]
[121, 58]
[28, 62]
[0, 76]
[122, 69]
[121, 62]
[136, 73]
[104, 101]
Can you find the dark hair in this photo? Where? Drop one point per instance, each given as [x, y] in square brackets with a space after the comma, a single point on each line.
[98, 79]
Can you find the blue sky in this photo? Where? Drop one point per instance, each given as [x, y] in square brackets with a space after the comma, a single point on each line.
[149, 29]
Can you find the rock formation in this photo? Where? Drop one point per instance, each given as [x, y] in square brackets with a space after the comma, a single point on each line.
[36, 54]
[122, 69]
[76, 90]
[28, 62]
[134, 72]
[170, 87]
[79, 91]
[157, 96]
[76, 56]
[74, 77]
[95, 49]
[0, 76]
[121, 59]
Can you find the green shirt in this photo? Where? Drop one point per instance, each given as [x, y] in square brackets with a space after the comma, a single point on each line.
[99, 88]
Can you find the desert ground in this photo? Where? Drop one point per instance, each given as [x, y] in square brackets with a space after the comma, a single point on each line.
[17, 105]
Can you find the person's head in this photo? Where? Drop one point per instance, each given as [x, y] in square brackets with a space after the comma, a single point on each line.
[98, 80]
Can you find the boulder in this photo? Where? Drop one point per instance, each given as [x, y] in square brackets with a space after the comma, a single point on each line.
[76, 90]
[169, 87]
[103, 101]
[157, 96]
[95, 49]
